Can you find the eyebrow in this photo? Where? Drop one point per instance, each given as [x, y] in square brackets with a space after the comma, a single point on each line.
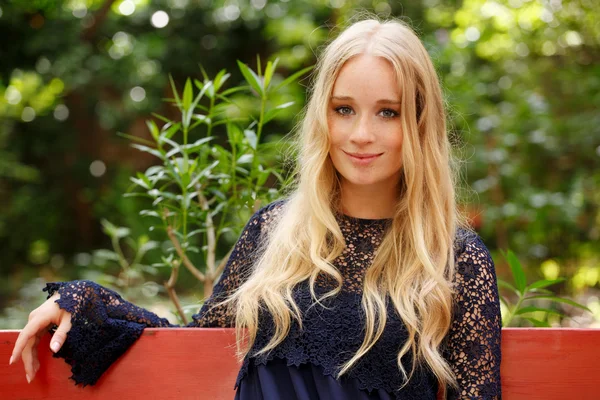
[380, 101]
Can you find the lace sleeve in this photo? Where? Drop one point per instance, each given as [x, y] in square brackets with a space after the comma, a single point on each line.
[473, 342]
[103, 327]
[238, 268]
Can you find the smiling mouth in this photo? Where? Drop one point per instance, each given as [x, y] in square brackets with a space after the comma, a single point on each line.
[363, 156]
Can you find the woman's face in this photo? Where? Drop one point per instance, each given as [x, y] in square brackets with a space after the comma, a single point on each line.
[364, 125]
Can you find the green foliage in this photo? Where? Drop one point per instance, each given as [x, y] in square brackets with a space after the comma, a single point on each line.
[527, 294]
[199, 188]
[521, 79]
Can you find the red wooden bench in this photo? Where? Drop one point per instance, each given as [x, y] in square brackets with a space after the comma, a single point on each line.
[185, 363]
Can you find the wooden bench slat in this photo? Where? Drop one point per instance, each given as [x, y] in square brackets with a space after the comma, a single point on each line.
[186, 363]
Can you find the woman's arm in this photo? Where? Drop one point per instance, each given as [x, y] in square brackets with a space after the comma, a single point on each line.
[94, 325]
[473, 342]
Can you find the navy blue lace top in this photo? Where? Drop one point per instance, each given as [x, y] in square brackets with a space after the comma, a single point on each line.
[304, 366]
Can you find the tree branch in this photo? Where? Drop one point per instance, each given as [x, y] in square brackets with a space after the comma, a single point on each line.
[99, 18]
[210, 235]
[186, 261]
[170, 286]
[222, 264]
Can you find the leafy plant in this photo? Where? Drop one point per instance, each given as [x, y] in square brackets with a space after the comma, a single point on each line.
[528, 294]
[204, 186]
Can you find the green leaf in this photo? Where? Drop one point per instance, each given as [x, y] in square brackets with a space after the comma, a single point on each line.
[203, 173]
[176, 149]
[246, 158]
[193, 147]
[140, 182]
[149, 213]
[206, 88]
[517, 271]
[293, 78]
[187, 94]
[262, 177]
[269, 71]
[272, 112]
[234, 134]
[153, 129]
[149, 245]
[169, 130]
[559, 300]
[161, 117]
[241, 170]
[529, 309]
[108, 227]
[203, 71]
[202, 118]
[135, 139]
[144, 178]
[503, 284]
[541, 291]
[251, 138]
[174, 89]
[114, 231]
[231, 91]
[537, 323]
[251, 77]
[544, 283]
[122, 232]
[147, 149]
[220, 79]
[206, 170]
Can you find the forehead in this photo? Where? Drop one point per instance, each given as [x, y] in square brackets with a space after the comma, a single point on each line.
[365, 76]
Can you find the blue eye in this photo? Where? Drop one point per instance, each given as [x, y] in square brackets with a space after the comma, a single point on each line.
[388, 113]
[343, 110]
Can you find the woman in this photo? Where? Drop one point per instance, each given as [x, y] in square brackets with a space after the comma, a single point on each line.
[364, 283]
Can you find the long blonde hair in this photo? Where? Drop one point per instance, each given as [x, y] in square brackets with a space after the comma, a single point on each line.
[414, 264]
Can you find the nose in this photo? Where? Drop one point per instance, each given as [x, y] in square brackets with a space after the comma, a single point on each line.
[362, 131]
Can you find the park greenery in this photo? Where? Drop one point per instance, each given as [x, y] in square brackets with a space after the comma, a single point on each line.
[83, 80]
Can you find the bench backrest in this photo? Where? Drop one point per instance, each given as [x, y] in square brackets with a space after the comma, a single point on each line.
[185, 363]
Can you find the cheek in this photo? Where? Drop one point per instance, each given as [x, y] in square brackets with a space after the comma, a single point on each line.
[334, 132]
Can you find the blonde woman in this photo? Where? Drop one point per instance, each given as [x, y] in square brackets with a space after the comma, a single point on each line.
[364, 282]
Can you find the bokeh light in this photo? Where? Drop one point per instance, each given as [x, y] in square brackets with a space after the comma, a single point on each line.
[137, 94]
[127, 7]
[61, 112]
[43, 65]
[258, 4]
[97, 168]
[80, 11]
[28, 114]
[12, 95]
[159, 19]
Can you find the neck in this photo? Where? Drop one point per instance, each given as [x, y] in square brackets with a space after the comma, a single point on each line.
[368, 202]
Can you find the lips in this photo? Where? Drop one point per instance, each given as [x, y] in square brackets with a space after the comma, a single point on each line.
[363, 156]
[362, 159]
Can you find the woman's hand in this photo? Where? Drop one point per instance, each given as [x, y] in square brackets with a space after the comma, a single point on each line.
[40, 320]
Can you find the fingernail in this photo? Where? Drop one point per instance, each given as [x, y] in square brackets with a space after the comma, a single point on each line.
[55, 346]
[28, 379]
[11, 360]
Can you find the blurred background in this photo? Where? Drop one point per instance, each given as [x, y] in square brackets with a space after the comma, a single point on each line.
[521, 80]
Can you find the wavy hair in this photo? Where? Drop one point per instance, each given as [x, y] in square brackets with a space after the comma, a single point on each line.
[414, 265]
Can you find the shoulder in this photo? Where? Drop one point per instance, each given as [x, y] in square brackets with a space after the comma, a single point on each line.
[472, 258]
[271, 210]
[264, 217]
[268, 213]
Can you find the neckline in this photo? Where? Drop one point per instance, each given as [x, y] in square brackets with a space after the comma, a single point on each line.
[364, 220]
